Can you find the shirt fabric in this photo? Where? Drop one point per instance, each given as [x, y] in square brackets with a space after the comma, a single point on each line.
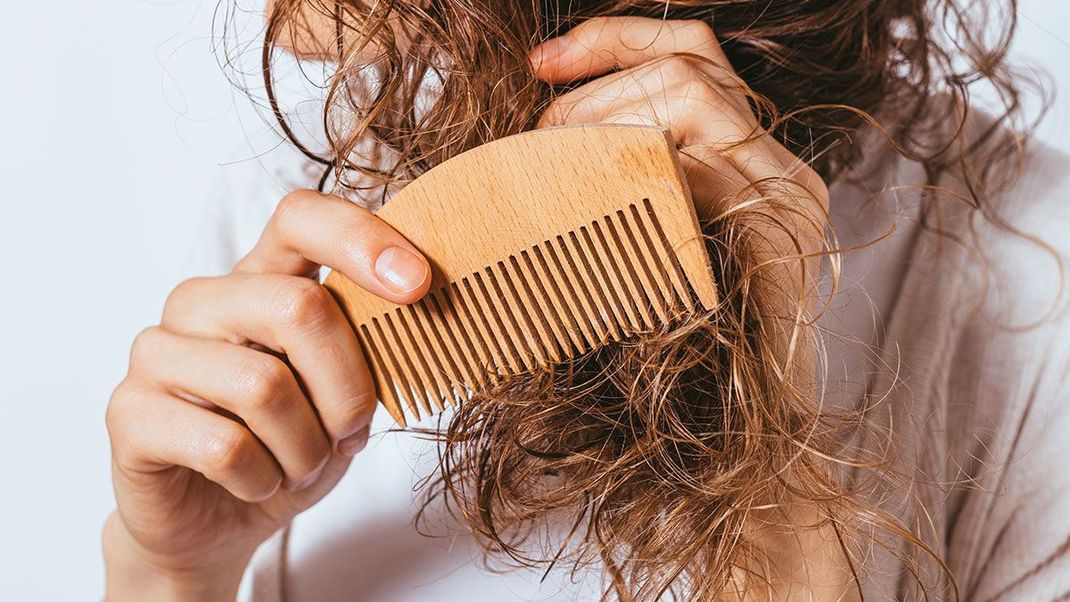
[967, 356]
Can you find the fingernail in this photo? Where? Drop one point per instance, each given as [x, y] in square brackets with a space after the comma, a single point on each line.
[353, 444]
[400, 269]
[307, 482]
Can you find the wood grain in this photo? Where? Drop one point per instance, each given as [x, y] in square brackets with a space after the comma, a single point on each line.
[543, 245]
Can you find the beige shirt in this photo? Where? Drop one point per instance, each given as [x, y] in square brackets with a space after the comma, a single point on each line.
[975, 383]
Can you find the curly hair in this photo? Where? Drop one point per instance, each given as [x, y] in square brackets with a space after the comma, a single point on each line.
[667, 456]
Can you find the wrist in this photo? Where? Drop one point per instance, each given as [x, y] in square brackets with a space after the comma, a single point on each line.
[132, 574]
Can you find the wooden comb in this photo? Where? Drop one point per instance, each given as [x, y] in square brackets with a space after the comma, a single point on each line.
[543, 245]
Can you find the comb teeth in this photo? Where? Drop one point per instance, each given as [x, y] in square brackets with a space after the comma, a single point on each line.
[586, 268]
[607, 279]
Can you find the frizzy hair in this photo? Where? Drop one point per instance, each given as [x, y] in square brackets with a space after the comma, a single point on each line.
[665, 458]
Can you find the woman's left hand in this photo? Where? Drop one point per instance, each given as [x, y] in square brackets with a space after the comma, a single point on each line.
[674, 74]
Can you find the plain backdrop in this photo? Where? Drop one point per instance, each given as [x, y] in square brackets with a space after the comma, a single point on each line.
[114, 119]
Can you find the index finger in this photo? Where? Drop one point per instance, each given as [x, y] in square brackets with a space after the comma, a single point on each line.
[603, 44]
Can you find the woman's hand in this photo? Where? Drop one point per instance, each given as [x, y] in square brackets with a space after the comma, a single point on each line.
[246, 404]
[673, 74]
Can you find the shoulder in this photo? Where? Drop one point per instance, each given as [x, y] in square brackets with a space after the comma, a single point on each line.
[998, 228]
[994, 229]
[1013, 293]
[981, 310]
[1009, 384]
[988, 242]
[1021, 245]
[996, 267]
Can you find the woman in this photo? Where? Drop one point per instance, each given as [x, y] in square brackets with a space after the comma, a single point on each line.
[890, 431]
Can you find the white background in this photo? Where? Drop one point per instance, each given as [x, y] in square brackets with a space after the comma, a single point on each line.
[114, 120]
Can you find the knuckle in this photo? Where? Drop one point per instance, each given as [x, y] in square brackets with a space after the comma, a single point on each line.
[357, 412]
[698, 34]
[813, 183]
[554, 114]
[121, 421]
[185, 289]
[181, 295]
[303, 303]
[261, 380]
[678, 68]
[587, 32]
[229, 450]
[115, 413]
[698, 94]
[292, 205]
[145, 347]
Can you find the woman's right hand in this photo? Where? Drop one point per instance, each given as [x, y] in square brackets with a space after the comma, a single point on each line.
[246, 404]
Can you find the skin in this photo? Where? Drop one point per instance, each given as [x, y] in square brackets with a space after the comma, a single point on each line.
[246, 404]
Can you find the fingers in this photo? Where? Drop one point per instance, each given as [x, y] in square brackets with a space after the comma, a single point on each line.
[673, 92]
[310, 229]
[673, 95]
[257, 387]
[677, 94]
[292, 316]
[152, 431]
[603, 44]
[696, 95]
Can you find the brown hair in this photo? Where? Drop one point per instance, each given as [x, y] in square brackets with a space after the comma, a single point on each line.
[668, 455]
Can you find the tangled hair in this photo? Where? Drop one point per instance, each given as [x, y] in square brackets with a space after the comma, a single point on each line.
[671, 458]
